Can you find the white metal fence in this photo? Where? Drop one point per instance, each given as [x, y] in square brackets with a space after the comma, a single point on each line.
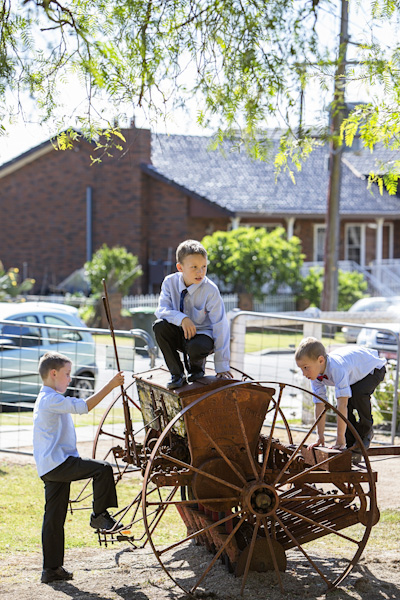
[93, 364]
[262, 346]
[276, 303]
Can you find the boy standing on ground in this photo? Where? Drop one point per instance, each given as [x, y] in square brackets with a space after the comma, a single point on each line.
[191, 318]
[354, 372]
[58, 462]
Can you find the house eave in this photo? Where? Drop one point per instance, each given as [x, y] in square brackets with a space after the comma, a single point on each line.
[25, 159]
[160, 177]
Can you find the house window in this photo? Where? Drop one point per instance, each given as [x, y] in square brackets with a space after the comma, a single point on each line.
[319, 243]
[355, 243]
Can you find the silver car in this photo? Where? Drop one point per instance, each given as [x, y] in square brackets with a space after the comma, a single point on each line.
[384, 337]
[377, 303]
[27, 331]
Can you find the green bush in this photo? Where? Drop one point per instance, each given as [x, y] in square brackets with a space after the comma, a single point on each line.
[116, 265]
[10, 285]
[383, 398]
[351, 287]
[247, 258]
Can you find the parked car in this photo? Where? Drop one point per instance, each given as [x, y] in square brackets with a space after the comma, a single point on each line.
[24, 339]
[385, 342]
[378, 303]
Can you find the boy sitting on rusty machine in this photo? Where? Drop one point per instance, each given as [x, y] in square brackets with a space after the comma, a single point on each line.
[191, 318]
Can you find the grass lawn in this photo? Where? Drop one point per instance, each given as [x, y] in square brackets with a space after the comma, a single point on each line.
[22, 504]
[256, 341]
[21, 514]
[93, 418]
[120, 340]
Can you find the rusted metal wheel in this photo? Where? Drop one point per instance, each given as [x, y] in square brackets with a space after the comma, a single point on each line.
[110, 445]
[256, 503]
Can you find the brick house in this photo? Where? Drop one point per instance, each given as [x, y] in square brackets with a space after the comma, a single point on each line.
[56, 209]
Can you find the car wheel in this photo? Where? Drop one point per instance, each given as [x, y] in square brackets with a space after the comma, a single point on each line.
[83, 386]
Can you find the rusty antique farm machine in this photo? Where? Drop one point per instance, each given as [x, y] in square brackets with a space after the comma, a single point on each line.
[219, 458]
[221, 454]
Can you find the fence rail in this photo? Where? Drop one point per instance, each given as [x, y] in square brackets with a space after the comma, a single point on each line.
[266, 357]
[262, 345]
[276, 303]
[93, 361]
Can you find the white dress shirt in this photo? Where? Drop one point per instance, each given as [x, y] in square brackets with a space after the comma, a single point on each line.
[344, 367]
[54, 436]
[204, 306]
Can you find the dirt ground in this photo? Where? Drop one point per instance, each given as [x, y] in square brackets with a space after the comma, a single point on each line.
[122, 573]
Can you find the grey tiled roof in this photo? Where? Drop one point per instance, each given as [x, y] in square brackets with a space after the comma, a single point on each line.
[378, 161]
[235, 182]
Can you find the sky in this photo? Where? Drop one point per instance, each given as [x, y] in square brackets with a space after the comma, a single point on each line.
[26, 132]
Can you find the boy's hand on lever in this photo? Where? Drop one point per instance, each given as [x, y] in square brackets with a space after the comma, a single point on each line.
[117, 380]
[189, 328]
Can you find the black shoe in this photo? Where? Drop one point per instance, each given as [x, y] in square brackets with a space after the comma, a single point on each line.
[177, 381]
[195, 376]
[58, 574]
[356, 458]
[103, 521]
[367, 439]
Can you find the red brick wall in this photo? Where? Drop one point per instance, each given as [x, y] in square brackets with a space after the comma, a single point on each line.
[168, 220]
[43, 215]
[43, 208]
[166, 214]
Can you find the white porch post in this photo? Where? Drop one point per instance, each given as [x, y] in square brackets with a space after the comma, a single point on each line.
[379, 247]
[235, 222]
[289, 227]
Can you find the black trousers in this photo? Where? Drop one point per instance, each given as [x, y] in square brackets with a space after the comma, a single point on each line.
[57, 487]
[170, 339]
[360, 401]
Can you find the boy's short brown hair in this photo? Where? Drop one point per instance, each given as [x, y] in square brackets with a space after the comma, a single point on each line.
[52, 360]
[189, 247]
[310, 347]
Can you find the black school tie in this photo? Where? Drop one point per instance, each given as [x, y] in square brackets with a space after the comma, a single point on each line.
[185, 356]
[183, 294]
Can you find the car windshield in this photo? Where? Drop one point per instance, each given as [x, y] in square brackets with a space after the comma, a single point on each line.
[374, 305]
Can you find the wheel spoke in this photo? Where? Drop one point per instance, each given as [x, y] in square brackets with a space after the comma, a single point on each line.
[112, 435]
[299, 546]
[189, 502]
[200, 531]
[320, 525]
[161, 513]
[218, 554]
[192, 468]
[245, 439]
[269, 442]
[295, 453]
[250, 554]
[318, 497]
[271, 551]
[219, 450]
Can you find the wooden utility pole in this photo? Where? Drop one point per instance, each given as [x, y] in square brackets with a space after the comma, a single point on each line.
[329, 298]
